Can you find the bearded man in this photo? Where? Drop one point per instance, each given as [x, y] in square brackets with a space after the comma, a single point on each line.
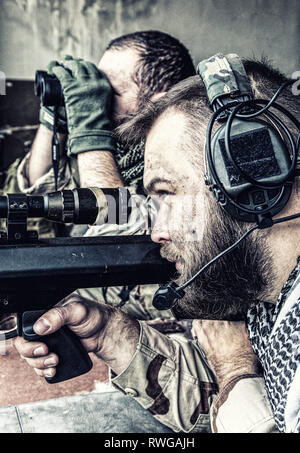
[180, 382]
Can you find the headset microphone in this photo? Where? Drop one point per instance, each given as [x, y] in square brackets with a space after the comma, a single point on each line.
[166, 296]
[250, 160]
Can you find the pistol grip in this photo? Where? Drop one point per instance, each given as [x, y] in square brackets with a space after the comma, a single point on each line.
[73, 358]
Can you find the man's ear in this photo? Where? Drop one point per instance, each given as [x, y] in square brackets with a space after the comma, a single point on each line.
[157, 96]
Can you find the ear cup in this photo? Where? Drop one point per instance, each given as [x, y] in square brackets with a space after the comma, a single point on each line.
[250, 179]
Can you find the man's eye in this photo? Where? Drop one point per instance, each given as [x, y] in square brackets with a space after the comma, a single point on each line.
[163, 193]
[160, 197]
[165, 197]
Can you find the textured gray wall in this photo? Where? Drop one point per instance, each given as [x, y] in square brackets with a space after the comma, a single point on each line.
[32, 32]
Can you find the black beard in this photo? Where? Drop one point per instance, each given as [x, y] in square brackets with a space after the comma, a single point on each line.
[226, 289]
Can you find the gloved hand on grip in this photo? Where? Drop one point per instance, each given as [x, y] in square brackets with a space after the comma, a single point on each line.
[88, 102]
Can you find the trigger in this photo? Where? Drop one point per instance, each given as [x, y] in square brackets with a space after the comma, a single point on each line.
[9, 326]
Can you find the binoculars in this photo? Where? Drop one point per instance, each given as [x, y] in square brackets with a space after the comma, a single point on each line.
[48, 88]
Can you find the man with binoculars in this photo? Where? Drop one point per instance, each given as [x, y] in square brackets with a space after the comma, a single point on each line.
[97, 100]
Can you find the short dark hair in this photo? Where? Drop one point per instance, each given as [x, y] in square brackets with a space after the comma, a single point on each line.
[164, 61]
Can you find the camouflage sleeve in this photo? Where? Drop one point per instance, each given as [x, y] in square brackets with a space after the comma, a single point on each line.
[44, 227]
[133, 300]
[168, 375]
[10, 183]
[243, 407]
[46, 182]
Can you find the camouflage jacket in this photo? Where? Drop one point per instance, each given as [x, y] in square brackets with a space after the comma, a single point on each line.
[170, 377]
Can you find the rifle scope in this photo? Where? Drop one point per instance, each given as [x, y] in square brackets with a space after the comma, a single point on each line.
[87, 206]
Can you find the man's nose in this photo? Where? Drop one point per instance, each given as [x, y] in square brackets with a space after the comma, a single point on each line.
[160, 234]
[160, 231]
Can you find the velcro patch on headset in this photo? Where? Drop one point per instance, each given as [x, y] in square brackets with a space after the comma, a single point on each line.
[254, 154]
[224, 76]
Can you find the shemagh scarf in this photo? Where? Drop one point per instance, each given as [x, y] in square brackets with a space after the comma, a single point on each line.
[130, 162]
[274, 332]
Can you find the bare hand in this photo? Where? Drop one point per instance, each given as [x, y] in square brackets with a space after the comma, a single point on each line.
[93, 323]
[227, 348]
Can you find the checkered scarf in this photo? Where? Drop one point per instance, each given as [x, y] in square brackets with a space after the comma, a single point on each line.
[276, 350]
[130, 163]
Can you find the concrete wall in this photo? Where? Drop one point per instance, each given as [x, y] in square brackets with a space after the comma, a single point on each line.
[32, 32]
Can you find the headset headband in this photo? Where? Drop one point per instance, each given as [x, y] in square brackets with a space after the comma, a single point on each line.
[225, 76]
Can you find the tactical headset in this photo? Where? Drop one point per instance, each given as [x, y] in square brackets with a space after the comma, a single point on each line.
[250, 161]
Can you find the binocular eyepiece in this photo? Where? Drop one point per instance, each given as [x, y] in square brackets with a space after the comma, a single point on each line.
[48, 88]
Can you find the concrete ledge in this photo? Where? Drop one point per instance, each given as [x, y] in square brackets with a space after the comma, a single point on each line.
[9, 420]
[109, 412]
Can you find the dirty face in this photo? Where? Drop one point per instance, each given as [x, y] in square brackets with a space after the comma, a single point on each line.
[192, 229]
[174, 181]
[119, 66]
